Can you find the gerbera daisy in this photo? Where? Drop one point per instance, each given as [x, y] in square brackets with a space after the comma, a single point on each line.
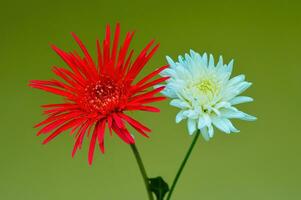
[96, 95]
[205, 93]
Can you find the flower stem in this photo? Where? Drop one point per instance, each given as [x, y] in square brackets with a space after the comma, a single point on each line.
[142, 170]
[183, 165]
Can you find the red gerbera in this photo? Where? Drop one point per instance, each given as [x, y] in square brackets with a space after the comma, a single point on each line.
[97, 94]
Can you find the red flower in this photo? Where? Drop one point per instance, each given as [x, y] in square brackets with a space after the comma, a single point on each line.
[97, 95]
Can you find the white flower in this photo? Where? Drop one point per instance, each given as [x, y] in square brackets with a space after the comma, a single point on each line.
[205, 93]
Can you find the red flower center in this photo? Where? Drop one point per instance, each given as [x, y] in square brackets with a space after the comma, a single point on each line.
[103, 96]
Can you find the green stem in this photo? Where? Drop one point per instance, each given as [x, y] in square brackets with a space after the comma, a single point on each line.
[183, 164]
[142, 170]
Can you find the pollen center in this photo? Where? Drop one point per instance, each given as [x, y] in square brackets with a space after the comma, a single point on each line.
[207, 86]
[103, 96]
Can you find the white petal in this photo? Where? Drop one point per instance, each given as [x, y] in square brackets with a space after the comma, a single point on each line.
[207, 120]
[240, 99]
[210, 131]
[205, 133]
[236, 114]
[230, 66]
[222, 104]
[179, 104]
[187, 57]
[193, 54]
[205, 59]
[221, 124]
[201, 123]
[217, 112]
[198, 58]
[230, 125]
[183, 73]
[204, 120]
[236, 80]
[171, 63]
[193, 114]
[181, 60]
[220, 62]
[167, 91]
[211, 61]
[168, 72]
[248, 117]
[179, 116]
[243, 86]
[191, 124]
[232, 114]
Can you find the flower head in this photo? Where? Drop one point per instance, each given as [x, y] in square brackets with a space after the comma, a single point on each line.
[205, 93]
[97, 94]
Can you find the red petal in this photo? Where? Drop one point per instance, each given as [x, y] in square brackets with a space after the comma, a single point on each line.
[124, 67]
[64, 127]
[147, 94]
[148, 100]
[123, 134]
[92, 145]
[141, 61]
[152, 83]
[72, 114]
[106, 48]
[68, 59]
[143, 108]
[115, 43]
[52, 90]
[80, 135]
[65, 74]
[110, 121]
[86, 53]
[99, 57]
[118, 121]
[82, 66]
[62, 109]
[124, 48]
[100, 135]
[51, 126]
[151, 75]
[135, 124]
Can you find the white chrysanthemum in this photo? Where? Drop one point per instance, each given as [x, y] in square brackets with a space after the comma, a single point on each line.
[205, 93]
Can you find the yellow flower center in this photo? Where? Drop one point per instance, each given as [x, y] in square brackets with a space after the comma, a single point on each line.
[207, 86]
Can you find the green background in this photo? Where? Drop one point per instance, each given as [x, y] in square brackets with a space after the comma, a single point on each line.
[261, 162]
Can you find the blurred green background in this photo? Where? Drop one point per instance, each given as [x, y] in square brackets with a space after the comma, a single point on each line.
[261, 162]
